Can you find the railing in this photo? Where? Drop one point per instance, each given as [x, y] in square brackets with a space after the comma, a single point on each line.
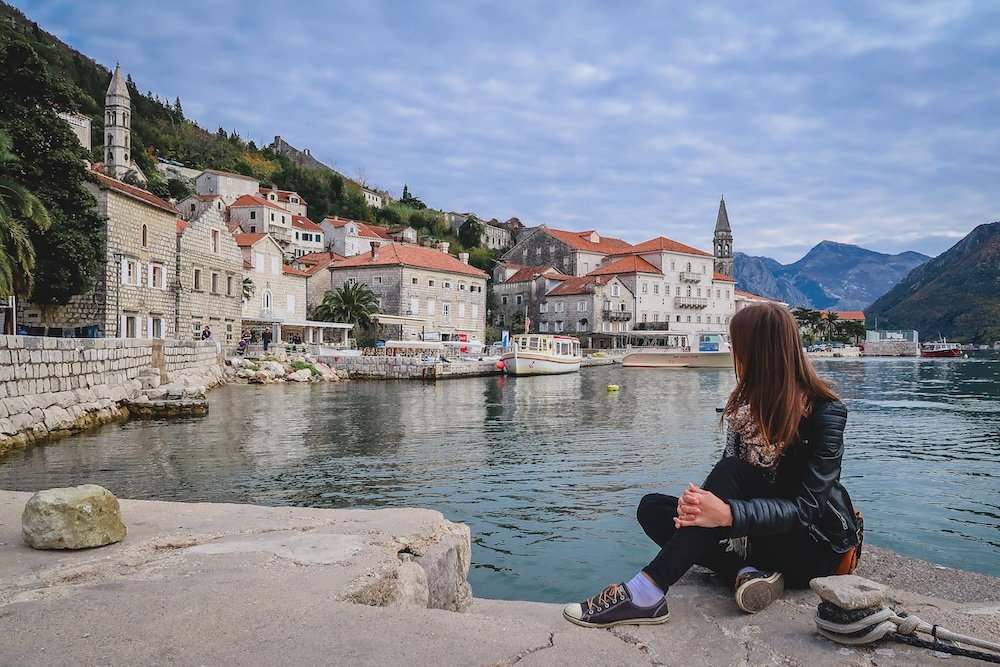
[690, 302]
[651, 326]
[280, 234]
[617, 315]
[690, 277]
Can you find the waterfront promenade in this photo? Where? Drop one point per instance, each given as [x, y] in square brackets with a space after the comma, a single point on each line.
[197, 584]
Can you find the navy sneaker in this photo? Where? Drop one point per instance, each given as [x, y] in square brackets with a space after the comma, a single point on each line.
[756, 590]
[613, 606]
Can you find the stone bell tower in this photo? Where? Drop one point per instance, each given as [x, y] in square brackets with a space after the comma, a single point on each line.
[117, 127]
[723, 242]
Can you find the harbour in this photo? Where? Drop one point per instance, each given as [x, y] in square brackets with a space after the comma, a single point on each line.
[547, 471]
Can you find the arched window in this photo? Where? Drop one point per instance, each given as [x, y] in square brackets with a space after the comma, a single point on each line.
[145, 236]
[110, 140]
[267, 299]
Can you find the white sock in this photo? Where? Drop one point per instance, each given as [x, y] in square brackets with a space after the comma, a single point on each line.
[643, 591]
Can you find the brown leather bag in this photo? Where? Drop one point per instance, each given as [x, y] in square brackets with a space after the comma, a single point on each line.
[849, 561]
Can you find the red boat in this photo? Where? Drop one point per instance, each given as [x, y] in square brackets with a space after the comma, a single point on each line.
[941, 348]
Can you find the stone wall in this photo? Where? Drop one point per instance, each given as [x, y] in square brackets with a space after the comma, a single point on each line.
[891, 348]
[408, 368]
[56, 386]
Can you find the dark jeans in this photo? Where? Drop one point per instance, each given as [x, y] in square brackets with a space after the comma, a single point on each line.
[797, 555]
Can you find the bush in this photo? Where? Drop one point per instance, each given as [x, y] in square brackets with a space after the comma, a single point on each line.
[299, 365]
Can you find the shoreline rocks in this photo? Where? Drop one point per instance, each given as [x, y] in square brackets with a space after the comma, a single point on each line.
[295, 368]
[79, 517]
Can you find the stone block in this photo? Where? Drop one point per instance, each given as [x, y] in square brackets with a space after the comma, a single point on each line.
[850, 591]
[72, 518]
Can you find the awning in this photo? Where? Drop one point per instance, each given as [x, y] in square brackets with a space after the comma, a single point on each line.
[318, 325]
[382, 318]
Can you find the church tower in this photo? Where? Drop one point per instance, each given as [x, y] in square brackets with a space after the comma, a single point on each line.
[723, 241]
[117, 127]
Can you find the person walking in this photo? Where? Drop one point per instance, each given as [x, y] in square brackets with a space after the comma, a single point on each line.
[772, 512]
[266, 338]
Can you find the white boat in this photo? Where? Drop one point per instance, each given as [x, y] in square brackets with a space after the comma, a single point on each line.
[671, 349]
[538, 354]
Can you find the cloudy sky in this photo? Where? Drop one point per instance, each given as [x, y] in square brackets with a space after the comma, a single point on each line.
[873, 123]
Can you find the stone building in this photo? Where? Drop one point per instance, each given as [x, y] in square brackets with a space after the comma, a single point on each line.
[373, 198]
[496, 236]
[81, 126]
[287, 199]
[193, 206]
[253, 214]
[314, 265]
[226, 184]
[571, 253]
[133, 296]
[209, 279]
[308, 237]
[118, 129]
[519, 291]
[587, 304]
[423, 292]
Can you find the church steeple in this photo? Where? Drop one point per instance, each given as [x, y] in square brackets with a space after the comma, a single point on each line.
[723, 241]
[117, 126]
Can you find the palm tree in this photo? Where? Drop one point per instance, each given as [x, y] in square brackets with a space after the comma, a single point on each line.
[831, 324]
[248, 289]
[353, 304]
[17, 206]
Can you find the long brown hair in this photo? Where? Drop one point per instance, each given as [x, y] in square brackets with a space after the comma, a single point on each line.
[773, 375]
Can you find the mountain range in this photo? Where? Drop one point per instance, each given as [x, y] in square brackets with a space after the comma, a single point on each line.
[956, 294]
[834, 276]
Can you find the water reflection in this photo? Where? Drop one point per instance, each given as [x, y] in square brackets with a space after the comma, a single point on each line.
[548, 470]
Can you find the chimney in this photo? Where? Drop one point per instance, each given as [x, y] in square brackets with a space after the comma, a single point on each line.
[375, 247]
[463, 257]
[442, 246]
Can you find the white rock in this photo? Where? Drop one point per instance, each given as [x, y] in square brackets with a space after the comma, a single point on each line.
[76, 517]
[850, 591]
[304, 375]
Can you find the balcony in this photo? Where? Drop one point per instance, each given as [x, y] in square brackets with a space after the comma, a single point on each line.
[617, 315]
[690, 302]
[652, 326]
[282, 235]
[690, 277]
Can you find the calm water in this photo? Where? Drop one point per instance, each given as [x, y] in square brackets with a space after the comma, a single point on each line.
[547, 471]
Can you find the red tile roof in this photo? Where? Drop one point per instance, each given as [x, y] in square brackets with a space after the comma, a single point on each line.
[662, 243]
[630, 264]
[845, 314]
[244, 240]
[207, 197]
[583, 241]
[300, 222]
[181, 226]
[373, 231]
[723, 277]
[292, 271]
[578, 285]
[134, 192]
[411, 255]
[337, 223]
[526, 273]
[283, 195]
[751, 295]
[251, 200]
[319, 257]
[230, 174]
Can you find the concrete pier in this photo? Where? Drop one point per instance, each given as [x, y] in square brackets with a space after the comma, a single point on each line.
[213, 584]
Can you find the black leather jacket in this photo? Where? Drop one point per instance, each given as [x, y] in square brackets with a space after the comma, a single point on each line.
[809, 495]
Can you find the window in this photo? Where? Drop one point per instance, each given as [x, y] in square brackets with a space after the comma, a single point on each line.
[644, 289]
[581, 306]
[291, 303]
[413, 281]
[131, 328]
[229, 332]
[672, 267]
[294, 200]
[430, 283]
[559, 326]
[253, 215]
[447, 285]
[376, 280]
[538, 251]
[543, 307]
[503, 300]
[215, 241]
[156, 327]
[699, 291]
[145, 236]
[414, 307]
[644, 317]
[267, 299]
[615, 291]
[623, 326]
[253, 228]
[543, 327]
[519, 299]
[215, 283]
[606, 327]
[475, 311]
[156, 277]
[351, 281]
[430, 306]
[259, 262]
[688, 318]
[656, 289]
[272, 217]
[718, 294]
[275, 265]
[197, 279]
[689, 267]
[656, 317]
[698, 319]
[192, 207]
[689, 290]
[461, 310]
[130, 272]
[560, 307]
[678, 318]
[446, 311]
[727, 294]
[461, 287]
[229, 285]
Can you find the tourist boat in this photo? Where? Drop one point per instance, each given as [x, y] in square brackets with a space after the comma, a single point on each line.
[672, 349]
[940, 348]
[538, 354]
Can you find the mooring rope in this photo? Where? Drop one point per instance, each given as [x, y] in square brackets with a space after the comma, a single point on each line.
[864, 626]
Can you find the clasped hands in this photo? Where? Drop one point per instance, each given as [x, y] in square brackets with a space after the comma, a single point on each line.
[698, 507]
